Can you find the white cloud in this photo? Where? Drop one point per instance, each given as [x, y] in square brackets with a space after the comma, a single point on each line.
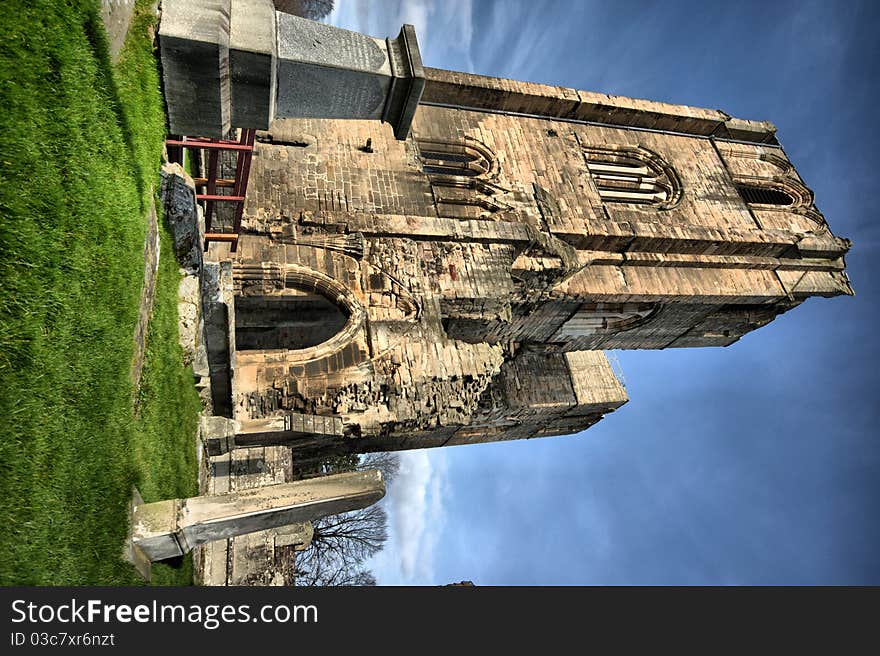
[416, 517]
[444, 27]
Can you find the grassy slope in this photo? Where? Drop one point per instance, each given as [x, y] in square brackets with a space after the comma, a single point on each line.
[80, 147]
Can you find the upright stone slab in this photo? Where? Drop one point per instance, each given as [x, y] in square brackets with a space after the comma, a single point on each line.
[298, 536]
[218, 313]
[194, 48]
[239, 63]
[171, 528]
[252, 63]
[327, 72]
[178, 193]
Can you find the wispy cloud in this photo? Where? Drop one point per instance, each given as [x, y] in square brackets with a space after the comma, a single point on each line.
[514, 40]
[768, 487]
[435, 21]
[416, 515]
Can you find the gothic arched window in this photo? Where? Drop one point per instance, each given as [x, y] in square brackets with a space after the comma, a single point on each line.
[440, 158]
[760, 195]
[313, 315]
[632, 175]
[461, 175]
[606, 318]
[771, 188]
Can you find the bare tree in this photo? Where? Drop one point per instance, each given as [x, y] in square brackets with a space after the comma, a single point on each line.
[336, 464]
[339, 577]
[339, 545]
[388, 462]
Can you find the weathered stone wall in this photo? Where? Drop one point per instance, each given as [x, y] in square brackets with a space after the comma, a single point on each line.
[250, 559]
[483, 262]
[317, 165]
[500, 95]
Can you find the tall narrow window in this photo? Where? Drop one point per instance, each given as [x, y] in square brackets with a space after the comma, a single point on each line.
[632, 175]
[754, 194]
[461, 174]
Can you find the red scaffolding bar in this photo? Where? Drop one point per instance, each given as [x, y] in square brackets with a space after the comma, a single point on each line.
[244, 150]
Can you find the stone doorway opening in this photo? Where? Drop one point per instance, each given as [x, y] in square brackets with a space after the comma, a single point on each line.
[295, 320]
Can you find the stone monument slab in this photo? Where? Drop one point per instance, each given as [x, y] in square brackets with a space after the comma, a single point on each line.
[171, 528]
[239, 63]
[194, 48]
[327, 72]
[252, 63]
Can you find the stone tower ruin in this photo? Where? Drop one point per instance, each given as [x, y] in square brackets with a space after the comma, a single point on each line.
[459, 285]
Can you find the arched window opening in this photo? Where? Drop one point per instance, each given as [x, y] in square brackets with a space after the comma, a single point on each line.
[294, 320]
[764, 195]
[606, 318]
[632, 175]
[460, 173]
[450, 163]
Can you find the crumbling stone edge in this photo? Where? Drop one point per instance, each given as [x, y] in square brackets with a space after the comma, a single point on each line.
[186, 222]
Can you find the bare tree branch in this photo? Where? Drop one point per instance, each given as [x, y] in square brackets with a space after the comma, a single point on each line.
[339, 545]
[388, 462]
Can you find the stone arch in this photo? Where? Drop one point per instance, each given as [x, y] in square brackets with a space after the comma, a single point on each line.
[463, 175]
[773, 186]
[468, 158]
[774, 189]
[633, 175]
[800, 196]
[312, 316]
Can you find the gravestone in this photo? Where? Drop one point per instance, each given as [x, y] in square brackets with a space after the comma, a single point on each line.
[194, 49]
[171, 528]
[241, 64]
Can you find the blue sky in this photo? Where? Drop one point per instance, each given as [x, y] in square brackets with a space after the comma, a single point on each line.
[754, 464]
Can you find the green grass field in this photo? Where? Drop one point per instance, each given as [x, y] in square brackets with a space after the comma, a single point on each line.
[81, 149]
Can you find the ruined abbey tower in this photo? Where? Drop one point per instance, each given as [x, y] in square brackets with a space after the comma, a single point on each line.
[459, 285]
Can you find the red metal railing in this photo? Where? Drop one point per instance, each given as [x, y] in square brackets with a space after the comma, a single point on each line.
[244, 150]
